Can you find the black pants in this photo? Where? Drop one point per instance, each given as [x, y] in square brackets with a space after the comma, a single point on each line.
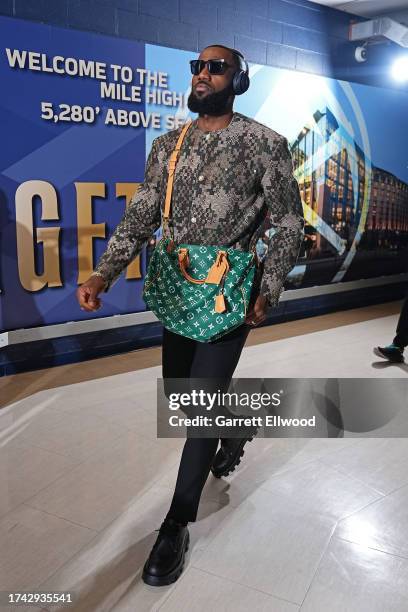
[401, 339]
[186, 358]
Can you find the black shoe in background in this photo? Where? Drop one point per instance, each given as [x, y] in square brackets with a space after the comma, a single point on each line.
[166, 560]
[392, 352]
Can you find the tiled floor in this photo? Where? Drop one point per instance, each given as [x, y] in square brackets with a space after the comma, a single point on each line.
[318, 525]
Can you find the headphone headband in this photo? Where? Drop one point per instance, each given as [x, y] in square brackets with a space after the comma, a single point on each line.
[240, 81]
[242, 61]
[243, 64]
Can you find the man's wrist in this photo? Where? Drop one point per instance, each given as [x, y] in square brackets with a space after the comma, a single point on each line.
[264, 299]
[101, 276]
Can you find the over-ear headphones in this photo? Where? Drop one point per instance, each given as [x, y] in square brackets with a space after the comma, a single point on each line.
[240, 80]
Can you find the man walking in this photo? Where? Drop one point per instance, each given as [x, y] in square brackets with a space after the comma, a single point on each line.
[231, 172]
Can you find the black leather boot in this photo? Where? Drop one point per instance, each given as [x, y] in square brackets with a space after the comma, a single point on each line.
[229, 456]
[166, 559]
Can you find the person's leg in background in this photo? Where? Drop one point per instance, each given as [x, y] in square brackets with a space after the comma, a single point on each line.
[395, 351]
[401, 339]
[186, 358]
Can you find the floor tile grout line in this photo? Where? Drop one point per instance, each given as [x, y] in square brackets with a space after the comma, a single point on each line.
[328, 515]
[334, 534]
[245, 585]
[344, 473]
[295, 468]
[396, 489]
[302, 465]
[69, 469]
[95, 453]
[62, 518]
[357, 480]
[100, 531]
[374, 501]
[66, 473]
[33, 445]
[318, 565]
[367, 547]
[288, 471]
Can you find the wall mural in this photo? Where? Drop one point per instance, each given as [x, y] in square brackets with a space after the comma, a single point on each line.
[79, 112]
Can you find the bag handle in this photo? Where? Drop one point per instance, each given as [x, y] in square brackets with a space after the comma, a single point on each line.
[215, 274]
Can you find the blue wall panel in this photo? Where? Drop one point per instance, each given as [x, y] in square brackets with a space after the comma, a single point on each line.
[199, 15]
[158, 8]
[268, 30]
[139, 27]
[250, 47]
[236, 21]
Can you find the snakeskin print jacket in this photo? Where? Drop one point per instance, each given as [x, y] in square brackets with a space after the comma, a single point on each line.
[225, 183]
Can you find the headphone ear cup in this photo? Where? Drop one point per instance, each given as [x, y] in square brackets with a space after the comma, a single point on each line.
[240, 82]
[244, 82]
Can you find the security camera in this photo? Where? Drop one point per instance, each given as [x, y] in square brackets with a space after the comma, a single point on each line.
[360, 54]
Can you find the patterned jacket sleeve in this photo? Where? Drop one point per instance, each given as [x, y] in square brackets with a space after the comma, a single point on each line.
[284, 203]
[141, 219]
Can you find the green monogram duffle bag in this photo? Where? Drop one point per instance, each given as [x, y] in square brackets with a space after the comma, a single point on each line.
[199, 291]
[194, 303]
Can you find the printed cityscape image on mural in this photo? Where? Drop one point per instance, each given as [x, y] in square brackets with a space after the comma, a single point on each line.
[348, 154]
[339, 196]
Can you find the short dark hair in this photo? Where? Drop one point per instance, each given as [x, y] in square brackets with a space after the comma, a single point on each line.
[235, 54]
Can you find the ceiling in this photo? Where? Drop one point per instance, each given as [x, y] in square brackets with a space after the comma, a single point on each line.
[367, 8]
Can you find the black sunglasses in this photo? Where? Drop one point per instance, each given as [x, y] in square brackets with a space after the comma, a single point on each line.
[214, 66]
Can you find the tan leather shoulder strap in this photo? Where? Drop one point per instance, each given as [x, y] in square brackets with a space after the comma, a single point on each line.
[172, 167]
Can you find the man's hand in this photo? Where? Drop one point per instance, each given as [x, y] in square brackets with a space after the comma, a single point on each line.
[257, 313]
[87, 293]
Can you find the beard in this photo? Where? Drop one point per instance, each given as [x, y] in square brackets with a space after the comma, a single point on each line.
[215, 104]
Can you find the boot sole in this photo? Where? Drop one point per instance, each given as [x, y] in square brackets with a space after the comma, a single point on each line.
[172, 576]
[236, 461]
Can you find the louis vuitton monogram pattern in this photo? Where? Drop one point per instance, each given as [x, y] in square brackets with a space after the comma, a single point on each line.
[188, 308]
[225, 183]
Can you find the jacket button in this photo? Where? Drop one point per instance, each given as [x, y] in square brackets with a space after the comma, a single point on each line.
[193, 219]
[201, 178]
